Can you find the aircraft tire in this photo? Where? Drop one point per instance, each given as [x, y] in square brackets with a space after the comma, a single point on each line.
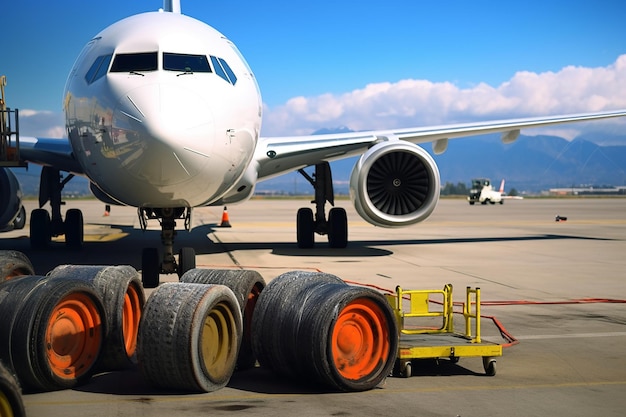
[277, 316]
[14, 264]
[74, 229]
[57, 335]
[352, 337]
[186, 260]
[337, 228]
[196, 348]
[314, 325]
[305, 228]
[10, 395]
[40, 229]
[247, 286]
[17, 291]
[150, 267]
[122, 295]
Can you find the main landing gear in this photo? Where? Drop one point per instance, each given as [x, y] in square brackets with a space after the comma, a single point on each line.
[151, 267]
[336, 226]
[43, 225]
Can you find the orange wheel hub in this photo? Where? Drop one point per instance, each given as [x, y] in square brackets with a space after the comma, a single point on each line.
[360, 339]
[73, 336]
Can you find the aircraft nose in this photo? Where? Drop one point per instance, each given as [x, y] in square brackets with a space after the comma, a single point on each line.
[171, 126]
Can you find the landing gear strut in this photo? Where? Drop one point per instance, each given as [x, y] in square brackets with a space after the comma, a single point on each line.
[336, 227]
[150, 265]
[42, 225]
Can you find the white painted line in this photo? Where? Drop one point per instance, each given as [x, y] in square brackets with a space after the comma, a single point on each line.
[570, 335]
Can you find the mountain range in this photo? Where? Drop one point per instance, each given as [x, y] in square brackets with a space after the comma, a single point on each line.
[531, 164]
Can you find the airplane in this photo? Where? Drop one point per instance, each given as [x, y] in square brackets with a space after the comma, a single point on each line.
[163, 113]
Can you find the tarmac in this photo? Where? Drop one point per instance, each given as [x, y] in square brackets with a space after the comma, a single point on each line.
[556, 286]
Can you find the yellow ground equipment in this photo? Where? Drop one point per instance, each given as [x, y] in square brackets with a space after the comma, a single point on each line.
[9, 132]
[422, 338]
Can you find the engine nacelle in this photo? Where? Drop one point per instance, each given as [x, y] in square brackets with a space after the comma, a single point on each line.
[395, 184]
[10, 200]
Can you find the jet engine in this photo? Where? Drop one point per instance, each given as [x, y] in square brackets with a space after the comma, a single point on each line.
[395, 183]
[12, 213]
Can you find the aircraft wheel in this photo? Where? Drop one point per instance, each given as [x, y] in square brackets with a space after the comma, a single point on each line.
[150, 267]
[46, 355]
[247, 286]
[196, 348]
[14, 264]
[305, 228]
[40, 229]
[74, 233]
[10, 397]
[123, 298]
[337, 228]
[186, 260]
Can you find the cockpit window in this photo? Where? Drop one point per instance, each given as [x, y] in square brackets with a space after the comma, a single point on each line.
[185, 63]
[145, 61]
[98, 69]
[223, 70]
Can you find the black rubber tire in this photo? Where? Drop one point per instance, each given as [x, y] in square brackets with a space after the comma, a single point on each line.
[172, 346]
[305, 228]
[322, 313]
[40, 229]
[10, 395]
[186, 260]
[74, 229]
[489, 364]
[337, 228]
[276, 319]
[32, 350]
[293, 330]
[14, 264]
[13, 295]
[247, 286]
[121, 292]
[150, 267]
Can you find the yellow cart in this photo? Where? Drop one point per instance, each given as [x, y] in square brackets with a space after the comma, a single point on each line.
[420, 339]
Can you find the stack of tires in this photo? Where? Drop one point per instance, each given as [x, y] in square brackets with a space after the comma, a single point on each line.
[313, 325]
[57, 330]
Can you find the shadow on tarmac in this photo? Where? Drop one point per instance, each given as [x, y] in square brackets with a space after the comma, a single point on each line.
[125, 247]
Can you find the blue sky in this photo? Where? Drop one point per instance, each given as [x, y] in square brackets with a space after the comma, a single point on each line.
[364, 64]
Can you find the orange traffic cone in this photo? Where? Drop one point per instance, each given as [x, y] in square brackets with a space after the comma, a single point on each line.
[225, 221]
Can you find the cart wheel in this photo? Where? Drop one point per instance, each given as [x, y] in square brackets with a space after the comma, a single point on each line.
[406, 370]
[490, 365]
[455, 359]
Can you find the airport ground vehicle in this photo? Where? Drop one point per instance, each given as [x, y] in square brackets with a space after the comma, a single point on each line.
[483, 192]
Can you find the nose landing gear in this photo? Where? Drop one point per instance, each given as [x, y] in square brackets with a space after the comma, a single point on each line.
[151, 265]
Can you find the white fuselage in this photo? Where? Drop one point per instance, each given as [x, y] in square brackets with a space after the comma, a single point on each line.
[162, 111]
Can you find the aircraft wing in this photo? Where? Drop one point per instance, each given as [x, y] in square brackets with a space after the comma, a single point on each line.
[278, 155]
[51, 152]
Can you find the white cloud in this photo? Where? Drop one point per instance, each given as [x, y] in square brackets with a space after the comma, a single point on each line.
[408, 103]
[41, 123]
